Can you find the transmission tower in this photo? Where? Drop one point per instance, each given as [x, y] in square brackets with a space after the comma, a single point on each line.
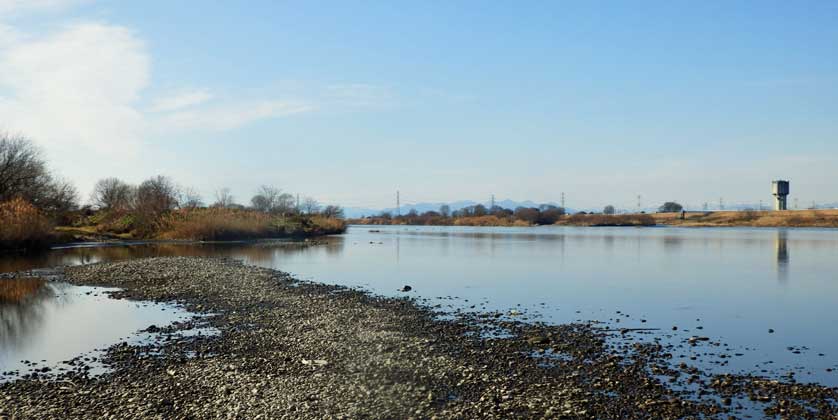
[721, 203]
[493, 202]
[563, 200]
[639, 202]
[398, 204]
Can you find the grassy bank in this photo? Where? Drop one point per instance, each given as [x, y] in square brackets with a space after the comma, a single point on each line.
[488, 220]
[789, 218]
[607, 220]
[231, 224]
[205, 224]
[23, 227]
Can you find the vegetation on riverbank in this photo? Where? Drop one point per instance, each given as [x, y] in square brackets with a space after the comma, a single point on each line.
[477, 215]
[231, 224]
[33, 202]
[23, 226]
[607, 220]
[751, 218]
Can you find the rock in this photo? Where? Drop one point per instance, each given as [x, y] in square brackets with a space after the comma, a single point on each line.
[406, 288]
[535, 340]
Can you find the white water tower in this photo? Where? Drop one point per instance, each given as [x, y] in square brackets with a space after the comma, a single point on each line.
[780, 191]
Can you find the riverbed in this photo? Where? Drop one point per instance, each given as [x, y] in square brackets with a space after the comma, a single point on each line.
[762, 298]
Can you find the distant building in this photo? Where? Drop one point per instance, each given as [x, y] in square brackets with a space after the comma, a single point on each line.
[780, 191]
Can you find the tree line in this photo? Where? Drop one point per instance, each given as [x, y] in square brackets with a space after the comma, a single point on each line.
[26, 177]
[545, 214]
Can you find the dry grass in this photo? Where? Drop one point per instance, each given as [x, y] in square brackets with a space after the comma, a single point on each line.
[22, 226]
[231, 224]
[789, 218]
[607, 220]
[15, 290]
[485, 221]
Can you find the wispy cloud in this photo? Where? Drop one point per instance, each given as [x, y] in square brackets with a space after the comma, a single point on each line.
[181, 100]
[230, 116]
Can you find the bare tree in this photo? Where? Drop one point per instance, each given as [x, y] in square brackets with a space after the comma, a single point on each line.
[609, 209]
[332, 211]
[445, 210]
[310, 206]
[190, 198]
[24, 174]
[157, 195]
[266, 198]
[112, 194]
[272, 200]
[223, 198]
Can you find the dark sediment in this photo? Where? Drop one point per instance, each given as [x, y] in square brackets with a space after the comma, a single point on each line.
[290, 349]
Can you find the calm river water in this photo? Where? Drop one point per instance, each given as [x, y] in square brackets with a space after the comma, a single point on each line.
[731, 285]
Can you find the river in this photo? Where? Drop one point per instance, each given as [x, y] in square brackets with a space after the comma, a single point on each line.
[766, 295]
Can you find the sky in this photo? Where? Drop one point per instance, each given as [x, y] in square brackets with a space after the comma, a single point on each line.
[349, 101]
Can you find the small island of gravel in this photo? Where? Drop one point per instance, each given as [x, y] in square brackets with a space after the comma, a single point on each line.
[291, 349]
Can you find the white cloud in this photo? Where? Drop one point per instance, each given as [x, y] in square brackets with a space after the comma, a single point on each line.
[228, 117]
[75, 90]
[181, 100]
[18, 7]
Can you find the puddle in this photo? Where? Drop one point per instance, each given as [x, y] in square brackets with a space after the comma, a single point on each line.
[52, 327]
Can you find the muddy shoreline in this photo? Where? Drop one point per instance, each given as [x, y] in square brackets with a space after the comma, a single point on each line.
[291, 349]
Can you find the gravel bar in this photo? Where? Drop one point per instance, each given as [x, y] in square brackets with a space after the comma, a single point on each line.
[292, 349]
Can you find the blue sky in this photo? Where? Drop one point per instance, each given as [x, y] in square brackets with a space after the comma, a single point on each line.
[349, 101]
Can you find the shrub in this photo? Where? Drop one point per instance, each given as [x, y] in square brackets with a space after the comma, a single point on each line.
[22, 226]
[218, 223]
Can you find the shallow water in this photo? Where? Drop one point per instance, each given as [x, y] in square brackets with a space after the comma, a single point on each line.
[59, 322]
[730, 285]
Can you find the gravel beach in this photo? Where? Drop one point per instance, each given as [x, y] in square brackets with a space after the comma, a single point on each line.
[291, 349]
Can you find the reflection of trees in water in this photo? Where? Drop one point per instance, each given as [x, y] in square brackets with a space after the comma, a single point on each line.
[19, 320]
[257, 252]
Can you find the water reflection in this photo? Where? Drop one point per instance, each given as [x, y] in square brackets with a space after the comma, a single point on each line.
[727, 278]
[781, 244]
[59, 321]
[22, 309]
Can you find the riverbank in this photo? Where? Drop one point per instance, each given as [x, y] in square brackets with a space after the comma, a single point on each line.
[788, 218]
[290, 349]
[205, 224]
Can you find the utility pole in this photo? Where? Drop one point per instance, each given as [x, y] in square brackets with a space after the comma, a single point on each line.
[398, 204]
[760, 205]
[721, 203]
[639, 203]
[795, 203]
[493, 202]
